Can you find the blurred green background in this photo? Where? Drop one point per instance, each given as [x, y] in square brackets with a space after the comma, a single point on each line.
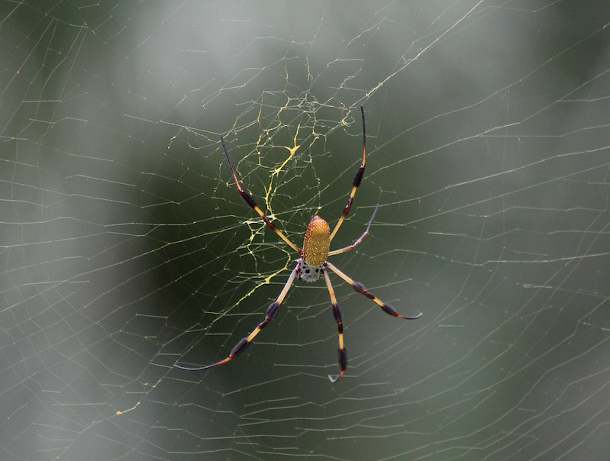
[126, 248]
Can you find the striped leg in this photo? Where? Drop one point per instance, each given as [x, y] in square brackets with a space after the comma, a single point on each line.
[245, 342]
[360, 289]
[359, 240]
[252, 203]
[357, 180]
[339, 320]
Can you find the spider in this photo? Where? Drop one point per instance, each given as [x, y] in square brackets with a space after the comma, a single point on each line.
[312, 264]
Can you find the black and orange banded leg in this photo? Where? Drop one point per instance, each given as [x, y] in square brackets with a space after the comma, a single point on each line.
[357, 180]
[252, 203]
[339, 320]
[245, 342]
[359, 287]
[358, 240]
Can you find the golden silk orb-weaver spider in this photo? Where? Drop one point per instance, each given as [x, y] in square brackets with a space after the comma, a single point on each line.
[311, 264]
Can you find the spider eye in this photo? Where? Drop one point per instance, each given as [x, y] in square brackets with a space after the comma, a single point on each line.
[307, 271]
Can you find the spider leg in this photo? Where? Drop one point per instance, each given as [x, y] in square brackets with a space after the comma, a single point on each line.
[357, 180]
[252, 203]
[245, 342]
[360, 289]
[339, 320]
[359, 240]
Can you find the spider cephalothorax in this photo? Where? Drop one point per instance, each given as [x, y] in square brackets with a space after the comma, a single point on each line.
[312, 263]
[308, 273]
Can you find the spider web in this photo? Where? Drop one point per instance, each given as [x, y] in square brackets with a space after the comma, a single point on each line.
[125, 247]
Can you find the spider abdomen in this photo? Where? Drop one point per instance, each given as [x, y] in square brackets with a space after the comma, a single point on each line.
[317, 242]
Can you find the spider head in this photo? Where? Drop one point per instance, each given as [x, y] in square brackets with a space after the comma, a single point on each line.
[309, 273]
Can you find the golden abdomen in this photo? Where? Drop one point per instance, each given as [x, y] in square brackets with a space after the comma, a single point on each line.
[317, 242]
